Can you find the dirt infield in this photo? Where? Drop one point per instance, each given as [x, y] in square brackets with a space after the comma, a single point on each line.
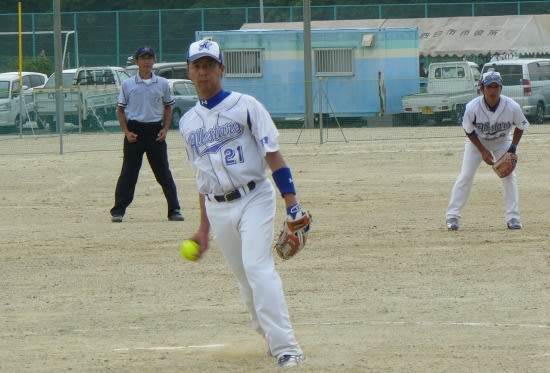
[382, 286]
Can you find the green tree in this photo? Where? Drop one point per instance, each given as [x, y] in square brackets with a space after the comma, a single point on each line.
[39, 64]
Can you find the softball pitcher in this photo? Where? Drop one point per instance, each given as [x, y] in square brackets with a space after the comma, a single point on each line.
[230, 140]
[488, 121]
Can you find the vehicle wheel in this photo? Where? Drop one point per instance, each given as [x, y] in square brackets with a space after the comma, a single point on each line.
[40, 122]
[418, 119]
[406, 119]
[176, 116]
[48, 122]
[438, 118]
[458, 114]
[539, 114]
[94, 122]
[16, 123]
[397, 120]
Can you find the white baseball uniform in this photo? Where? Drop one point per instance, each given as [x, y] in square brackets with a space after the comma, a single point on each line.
[494, 132]
[227, 144]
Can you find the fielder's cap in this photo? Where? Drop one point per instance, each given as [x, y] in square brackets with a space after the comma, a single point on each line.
[142, 51]
[204, 48]
[491, 77]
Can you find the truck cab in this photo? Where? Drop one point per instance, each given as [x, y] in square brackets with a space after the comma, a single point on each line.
[11, 107]
[451, 85]
[445, 77]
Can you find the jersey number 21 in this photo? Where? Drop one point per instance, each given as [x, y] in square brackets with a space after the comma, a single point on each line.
[233, 156]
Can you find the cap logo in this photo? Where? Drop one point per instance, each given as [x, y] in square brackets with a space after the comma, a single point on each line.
[205, 44]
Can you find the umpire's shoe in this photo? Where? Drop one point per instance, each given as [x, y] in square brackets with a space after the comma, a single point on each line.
[452, 224]
[175, 215]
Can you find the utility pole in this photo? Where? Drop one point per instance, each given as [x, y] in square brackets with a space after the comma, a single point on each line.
[308, 66]
[261, 11]
[59, 97]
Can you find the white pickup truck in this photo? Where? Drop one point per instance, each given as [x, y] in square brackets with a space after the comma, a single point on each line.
[451, 85]
[90, 97]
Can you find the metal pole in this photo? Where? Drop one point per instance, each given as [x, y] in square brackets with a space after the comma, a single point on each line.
[59, 107]
[321, 109]
[20, 72]
[261, 11]
[308, 66]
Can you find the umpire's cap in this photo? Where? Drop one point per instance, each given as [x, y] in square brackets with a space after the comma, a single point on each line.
[204, 48]
[142, 51]
[491, 77]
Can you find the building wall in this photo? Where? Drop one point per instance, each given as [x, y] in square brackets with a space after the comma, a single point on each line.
[394, 55]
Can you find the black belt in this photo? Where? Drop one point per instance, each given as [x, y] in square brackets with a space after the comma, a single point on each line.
[234, 194]
[156, 123]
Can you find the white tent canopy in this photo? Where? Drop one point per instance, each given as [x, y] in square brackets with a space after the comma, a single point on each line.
[454, 36]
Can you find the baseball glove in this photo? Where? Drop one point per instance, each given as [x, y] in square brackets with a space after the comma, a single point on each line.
[293, 237]
[506, 164]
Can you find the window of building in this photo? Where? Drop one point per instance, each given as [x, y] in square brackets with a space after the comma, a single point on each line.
[334, 62]
[245, 63]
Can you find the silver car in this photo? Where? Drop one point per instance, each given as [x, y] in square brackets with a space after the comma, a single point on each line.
[168, 70]
[185, 96]
[527, 81]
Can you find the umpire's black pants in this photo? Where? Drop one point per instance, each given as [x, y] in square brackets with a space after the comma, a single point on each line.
[157, 155]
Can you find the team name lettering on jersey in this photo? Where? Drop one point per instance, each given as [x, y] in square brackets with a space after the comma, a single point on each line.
[487, 128]
[210, 141]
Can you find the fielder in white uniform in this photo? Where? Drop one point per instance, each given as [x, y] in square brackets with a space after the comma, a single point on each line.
[488, 122]
[230, 140]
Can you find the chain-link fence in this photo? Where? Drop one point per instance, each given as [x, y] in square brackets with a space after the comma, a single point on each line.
[109, 37]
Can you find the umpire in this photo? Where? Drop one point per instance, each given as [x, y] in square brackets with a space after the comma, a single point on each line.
[145, 113]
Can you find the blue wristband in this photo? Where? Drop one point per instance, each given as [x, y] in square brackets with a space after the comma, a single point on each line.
[512, 148]
[283, 180]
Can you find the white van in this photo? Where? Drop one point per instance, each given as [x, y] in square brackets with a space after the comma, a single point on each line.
[11, 107]
[527, 81]
[30, 79]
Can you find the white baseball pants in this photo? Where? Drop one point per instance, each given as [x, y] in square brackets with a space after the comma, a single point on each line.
[463, 185]
[244, 230]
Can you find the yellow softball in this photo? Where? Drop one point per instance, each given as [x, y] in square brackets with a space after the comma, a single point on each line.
[190, 250]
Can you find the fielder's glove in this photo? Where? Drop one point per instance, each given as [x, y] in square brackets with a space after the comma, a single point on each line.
[293, 237]
[506, 164]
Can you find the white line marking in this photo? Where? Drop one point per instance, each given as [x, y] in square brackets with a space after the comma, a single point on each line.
[168, 348]
[487, 324]
[432, 323]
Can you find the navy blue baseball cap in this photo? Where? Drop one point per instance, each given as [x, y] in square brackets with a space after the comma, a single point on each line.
[491, 77]
[142, 51]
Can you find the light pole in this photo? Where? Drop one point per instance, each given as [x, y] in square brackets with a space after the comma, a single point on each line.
[59, 106]
[308, 66]
[261, 11]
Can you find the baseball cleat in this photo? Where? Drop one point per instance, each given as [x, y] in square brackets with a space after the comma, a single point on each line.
[514, 224]
[289, 361]
[452, 224]
[116, 218]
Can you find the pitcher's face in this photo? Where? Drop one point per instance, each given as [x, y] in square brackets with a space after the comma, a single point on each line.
[206, 73]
